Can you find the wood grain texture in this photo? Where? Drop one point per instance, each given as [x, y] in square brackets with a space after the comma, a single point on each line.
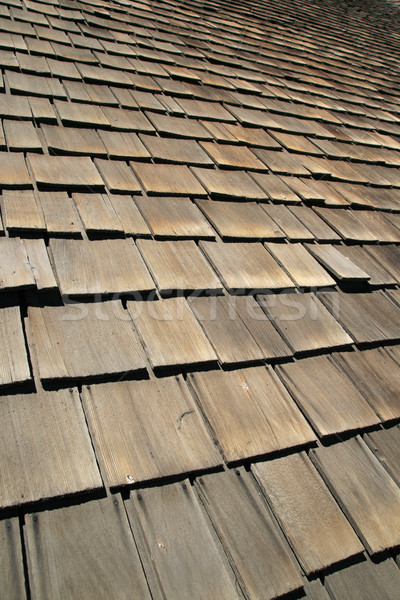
[84, 340]
[367, 494]
[15, 269]
[327, 396]
[171, 334]
[250, 412]
[257, 322]
[182, 557]
[229, 336]
[387, 257]
[293, 228]
[236, 220]
[304, 322]
[385, 444]
[118, 177]
[370, 317]
[260, 557]
[246, 266]
[45, 448]
[161, 432]
[99, 267]
[71, 172]
[122, 144]
[233, 157]
[377, 376]
[320, 230]
[129, 216]
[346, 224]
[14, 367]
[360, 256]
[74, 141]
[97, 213]
[40, 264]
[178, 266]
[86, 549]
[21, 211]
[275, 188]
[11, 565]
[174, 218]
[13, 171]
[237, 184]
[167, 180]
[60, 213]
[316, 528]
[365, 581]
[303, 269]
[178, 151]
[336, 263]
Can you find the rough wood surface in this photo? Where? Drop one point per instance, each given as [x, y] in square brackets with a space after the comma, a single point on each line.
[237, 184]
[346, 225]
[71, 172]
[118, 177]
[327, 396]
[367, 494]
[40, 264]
[385, 444]
[360, 256]
[316, 528]
[260, 557]
[369, 317]
[86, 550]
[11, 565]
[97, 213]
[99, 267]
[229, 336]
[246, 266]
[236, 220]
[177, 151]
[182, 557]
[275, 188]
[60, 213]
[74, 141]
[170, 333]
[45, 448]
[260, 326]
[161, 432]
[84, 340]
[377, 376]
[167, 180]
[15, 269]
[21, 211]
[318, 227]
[302, 268]
[174, 218]
[129, 216]
[250, 412]
[14, 367]
[365, 581]
[304, 322]
[288, 222]
[336, 263]
[13, 171]
[178, 266]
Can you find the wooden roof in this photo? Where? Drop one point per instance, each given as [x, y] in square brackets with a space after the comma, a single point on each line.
[199, 299]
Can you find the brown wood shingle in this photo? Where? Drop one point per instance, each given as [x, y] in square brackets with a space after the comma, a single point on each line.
[161, 432]
[365, 491]
[316, 528]
[250, 413]
[45, 448]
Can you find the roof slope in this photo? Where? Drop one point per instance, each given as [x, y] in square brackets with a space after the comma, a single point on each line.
[199, 299]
